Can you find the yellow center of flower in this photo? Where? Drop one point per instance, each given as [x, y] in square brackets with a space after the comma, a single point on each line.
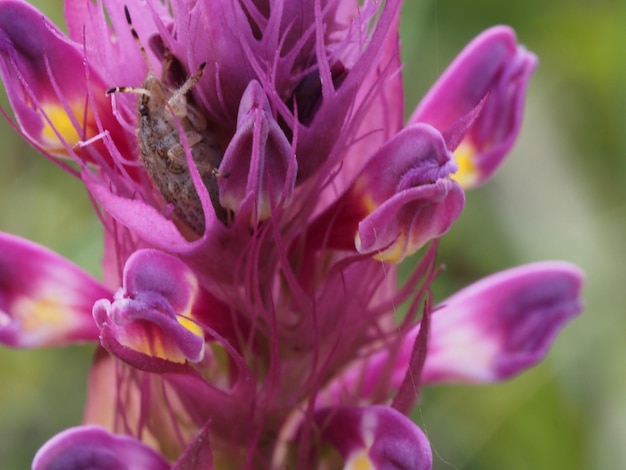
[191, 326]
[467, 175]
[359, 461]
[34, 313]
[150, 340]
[60, 127]
[43, 319]
[396, 252]
[368, 203]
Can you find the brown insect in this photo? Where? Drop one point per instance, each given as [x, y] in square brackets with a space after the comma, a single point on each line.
[162, 111]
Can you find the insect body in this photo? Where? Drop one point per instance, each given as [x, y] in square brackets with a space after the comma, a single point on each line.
[162, 112]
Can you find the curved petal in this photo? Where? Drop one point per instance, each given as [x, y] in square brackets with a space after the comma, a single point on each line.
[152, 315]
[376, 437]
[407, 193]
[260, 147]
[44, 299]
[403, 198]
[409, 220]
[95, 448]
[47, 80]
[489, 331]
[489, 77]
[502, 324]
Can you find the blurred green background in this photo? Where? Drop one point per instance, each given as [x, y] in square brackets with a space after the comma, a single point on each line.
[560, 195]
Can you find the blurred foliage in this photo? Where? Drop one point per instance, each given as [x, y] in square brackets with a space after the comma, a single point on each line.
[560, 195]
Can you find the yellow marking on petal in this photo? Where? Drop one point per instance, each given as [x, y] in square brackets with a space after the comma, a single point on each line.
[151, 344]
[395, 253]
[156, 348]
[43, 313]
[467, 174]
[361, 190]
[368, 203]
[61, 124]
[190, 325]
[185, 317]
[359, 461]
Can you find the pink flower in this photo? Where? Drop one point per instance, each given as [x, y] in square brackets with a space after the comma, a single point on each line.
[257, 188]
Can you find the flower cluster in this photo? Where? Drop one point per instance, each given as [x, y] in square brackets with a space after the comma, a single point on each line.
[257, 187]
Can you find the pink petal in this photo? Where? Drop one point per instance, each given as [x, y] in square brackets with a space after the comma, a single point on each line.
[503, 324]
[94, 448]
[44, 299]
[151, 317]
[46, 79]
[408, 194]
[259, 161]
[375, 437]
[489, 76]
[489, 331]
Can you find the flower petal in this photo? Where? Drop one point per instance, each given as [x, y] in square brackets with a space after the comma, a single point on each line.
[490, 331]
[151, 316]
[44, 299]
[46, 80]
[95, 448]
[260, 147]
[108, 38]
[403, 198]
[408, 194]
[493, 68]
[503, 324]
[376, 438]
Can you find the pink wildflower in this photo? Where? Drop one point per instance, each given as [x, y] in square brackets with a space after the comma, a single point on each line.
[257, 188]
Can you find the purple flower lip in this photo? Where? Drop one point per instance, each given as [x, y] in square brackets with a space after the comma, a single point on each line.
[95, 448]
[152, 315]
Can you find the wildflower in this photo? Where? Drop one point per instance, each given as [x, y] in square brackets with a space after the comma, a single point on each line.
[257, 188]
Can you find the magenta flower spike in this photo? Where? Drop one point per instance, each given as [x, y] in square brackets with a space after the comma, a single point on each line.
[257, 189]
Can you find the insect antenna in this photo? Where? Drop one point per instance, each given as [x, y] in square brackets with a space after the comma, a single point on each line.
[144, 54]
[188, 85]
